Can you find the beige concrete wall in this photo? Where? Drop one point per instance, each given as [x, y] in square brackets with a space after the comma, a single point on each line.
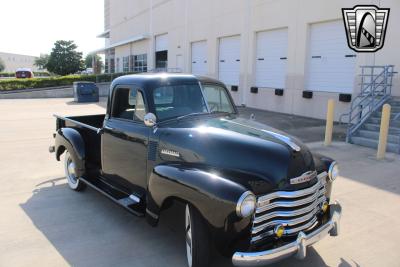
[187, 21]
[15, 61]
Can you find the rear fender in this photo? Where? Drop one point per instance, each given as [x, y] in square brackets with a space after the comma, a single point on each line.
[71, 140]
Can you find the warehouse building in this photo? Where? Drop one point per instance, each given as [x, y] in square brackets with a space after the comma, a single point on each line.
[13, 62]
[288, 56]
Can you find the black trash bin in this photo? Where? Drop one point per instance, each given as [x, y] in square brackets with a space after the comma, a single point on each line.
[86, 92]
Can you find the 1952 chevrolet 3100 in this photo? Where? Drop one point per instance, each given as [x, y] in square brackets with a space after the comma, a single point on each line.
[255, 193]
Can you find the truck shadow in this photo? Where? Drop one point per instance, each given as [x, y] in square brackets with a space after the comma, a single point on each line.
[87, 229]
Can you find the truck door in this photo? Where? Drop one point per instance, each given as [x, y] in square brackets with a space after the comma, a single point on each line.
[125, 138]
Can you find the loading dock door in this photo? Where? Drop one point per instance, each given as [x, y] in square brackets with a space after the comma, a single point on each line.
[162, 51]
[229, 60]
[271, 58]
[331, 63]
[199, 58]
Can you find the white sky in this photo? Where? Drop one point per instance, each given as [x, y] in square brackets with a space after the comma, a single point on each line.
[32, 26]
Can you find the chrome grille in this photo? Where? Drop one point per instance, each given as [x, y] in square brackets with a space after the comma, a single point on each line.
[295, 210]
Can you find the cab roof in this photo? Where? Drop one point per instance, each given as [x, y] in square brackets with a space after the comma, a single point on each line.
[152, 80]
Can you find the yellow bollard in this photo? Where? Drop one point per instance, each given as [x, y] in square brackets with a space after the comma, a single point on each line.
[384, 131]
[329, 122]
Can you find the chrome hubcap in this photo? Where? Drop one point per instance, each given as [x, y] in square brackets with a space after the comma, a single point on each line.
[188, 231]
[71, 170]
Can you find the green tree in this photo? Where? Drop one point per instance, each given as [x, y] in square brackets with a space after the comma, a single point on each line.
[41, 62]
[2, 65]
[64, 59]
[89, 62]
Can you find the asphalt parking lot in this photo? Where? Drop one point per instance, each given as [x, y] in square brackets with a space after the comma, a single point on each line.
[43, 223]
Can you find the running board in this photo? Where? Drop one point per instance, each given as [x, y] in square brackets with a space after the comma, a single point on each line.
[131, 203]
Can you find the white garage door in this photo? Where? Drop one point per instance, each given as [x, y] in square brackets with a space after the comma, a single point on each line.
[161, 42]
[199, 58]
[229, 60]
[271, 58]
[331, 63]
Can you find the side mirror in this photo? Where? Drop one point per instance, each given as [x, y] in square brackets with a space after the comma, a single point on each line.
[150, 119]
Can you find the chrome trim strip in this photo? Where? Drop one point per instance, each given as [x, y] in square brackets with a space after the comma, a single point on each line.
[155, 216]
[297, 247]
[134, 198]
[289, 204]
[291, 213]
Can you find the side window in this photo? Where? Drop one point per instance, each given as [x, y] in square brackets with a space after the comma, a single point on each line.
[128, 104]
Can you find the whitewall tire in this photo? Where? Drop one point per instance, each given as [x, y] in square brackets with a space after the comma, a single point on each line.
[69, 167]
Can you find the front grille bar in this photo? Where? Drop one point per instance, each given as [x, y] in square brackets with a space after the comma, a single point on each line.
[296, 210]
[289, 204]
[293, 213]
[264, 200]
[292, 222]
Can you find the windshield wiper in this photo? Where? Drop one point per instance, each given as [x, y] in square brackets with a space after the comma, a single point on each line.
[220, 112]
[191, 114]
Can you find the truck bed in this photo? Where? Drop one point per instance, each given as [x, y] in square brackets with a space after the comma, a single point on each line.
[88, 127]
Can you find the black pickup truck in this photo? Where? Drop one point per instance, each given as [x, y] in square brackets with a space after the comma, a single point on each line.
[254, 193]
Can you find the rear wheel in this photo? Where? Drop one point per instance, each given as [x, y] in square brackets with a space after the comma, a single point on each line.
[69, 167]
[197, 238]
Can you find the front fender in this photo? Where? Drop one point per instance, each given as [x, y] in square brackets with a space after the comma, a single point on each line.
[71, 140]
[321, 162]
[212, 194]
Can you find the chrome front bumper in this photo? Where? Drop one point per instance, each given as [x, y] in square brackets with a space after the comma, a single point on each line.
[297, 248]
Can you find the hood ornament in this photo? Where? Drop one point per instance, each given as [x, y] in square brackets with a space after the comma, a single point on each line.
[280, 137]
[284, 139]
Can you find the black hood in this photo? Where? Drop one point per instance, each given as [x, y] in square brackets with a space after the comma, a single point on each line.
[258, 156]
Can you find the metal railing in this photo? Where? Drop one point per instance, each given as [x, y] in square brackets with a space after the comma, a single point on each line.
[169, 70]
[376, 87]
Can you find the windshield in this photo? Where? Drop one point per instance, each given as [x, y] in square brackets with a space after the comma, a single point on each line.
[173, 101]
[217, 98]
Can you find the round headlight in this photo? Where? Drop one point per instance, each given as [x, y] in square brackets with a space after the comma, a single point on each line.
[333, 171]
[246, 204]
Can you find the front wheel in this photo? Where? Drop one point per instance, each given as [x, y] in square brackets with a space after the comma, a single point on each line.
[197, 238]
[69, 167]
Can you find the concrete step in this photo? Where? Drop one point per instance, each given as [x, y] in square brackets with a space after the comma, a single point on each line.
[376, 128]
[394, 103]
[379, 115]
[377, 120]
[395, 139]
[362, 141]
